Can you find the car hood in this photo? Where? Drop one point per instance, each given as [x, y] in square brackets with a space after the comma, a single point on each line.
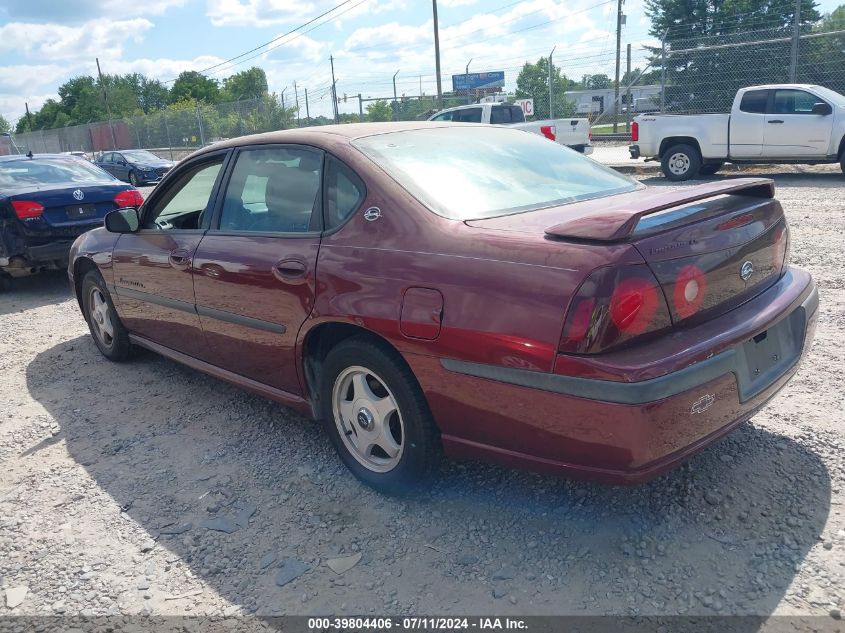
[154, 163]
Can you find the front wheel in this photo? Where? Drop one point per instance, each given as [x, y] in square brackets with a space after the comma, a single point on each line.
[133, 179]
[680, 162]
[108, 332]
[842, 162]
[377, 416]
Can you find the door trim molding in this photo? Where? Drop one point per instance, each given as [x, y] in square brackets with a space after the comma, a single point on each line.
[184, 306]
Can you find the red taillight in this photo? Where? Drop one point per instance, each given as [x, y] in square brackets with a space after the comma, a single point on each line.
[129, 198]
[549, 131]
[633, 304]
[613, 306]
[780, 250]
[690, 288]
[27, 209]
[635, 131]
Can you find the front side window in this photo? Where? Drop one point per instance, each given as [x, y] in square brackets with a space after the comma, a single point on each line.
[446, 116]
[470, 115]
[274, 190]
[754, 101]
[794, 102]
[483, 172]
[182, 204]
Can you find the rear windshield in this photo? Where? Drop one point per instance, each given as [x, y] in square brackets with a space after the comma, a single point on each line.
[466, 173]
[49, 171]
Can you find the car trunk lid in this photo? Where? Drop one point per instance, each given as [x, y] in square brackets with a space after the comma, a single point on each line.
[67, 206]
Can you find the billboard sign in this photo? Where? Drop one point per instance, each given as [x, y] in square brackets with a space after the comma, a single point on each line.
[478, 81]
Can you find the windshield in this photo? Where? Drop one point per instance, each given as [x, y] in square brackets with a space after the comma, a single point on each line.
[137, 155]
[50, 171]
[830, 95]
[466, 173]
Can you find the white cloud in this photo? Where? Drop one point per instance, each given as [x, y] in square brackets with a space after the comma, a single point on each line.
[262, 13]
[55, 42]
[456, 3]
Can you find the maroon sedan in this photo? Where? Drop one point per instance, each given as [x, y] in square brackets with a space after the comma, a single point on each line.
[432, 287]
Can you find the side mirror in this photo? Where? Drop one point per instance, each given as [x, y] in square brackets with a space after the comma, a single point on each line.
[822, 108]
[123, 220]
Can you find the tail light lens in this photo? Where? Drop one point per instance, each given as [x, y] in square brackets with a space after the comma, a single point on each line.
[27, 209]
[549, 131]
[635, 131]
[129, 198]
[690, 290]
[780, 242]
[613, 306]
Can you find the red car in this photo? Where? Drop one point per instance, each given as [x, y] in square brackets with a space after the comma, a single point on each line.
[428, 286]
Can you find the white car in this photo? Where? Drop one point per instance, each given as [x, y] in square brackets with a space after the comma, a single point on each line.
[574, 133]
[779, 123]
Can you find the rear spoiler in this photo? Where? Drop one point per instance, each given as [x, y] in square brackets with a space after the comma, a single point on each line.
[615, 218]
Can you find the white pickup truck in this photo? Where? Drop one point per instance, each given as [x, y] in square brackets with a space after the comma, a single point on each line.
[574, 133]
[781, 123]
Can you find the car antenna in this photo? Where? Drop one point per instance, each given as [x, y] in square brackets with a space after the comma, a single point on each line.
[29, 154]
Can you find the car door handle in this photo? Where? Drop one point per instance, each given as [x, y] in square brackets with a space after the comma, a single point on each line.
[290, 268]
[179, 258]
[775, 121]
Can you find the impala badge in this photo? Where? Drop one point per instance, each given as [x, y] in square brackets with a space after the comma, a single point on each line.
[78, 195]
[372, 214]
[703, 403]
[746, 270]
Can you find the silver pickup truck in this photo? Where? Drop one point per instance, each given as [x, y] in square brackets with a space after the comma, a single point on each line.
[573, 132]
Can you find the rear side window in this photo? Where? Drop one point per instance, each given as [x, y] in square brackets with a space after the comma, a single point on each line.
[344, 192]
[754, 101]
[470, 115]
[506, 114]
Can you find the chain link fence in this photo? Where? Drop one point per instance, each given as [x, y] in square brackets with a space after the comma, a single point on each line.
[685, 75]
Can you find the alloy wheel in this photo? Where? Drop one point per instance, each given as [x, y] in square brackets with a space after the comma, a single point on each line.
[101, 321]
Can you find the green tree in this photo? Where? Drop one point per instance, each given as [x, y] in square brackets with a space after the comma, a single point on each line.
[247, 84]
[192, 85]
[597, 82]
[154, 95]
[379, 111]
[821, 59]
[703, 71]
[533, 83]
[5, 126]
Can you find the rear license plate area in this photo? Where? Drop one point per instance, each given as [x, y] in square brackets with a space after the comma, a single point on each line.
[81, 211]
[768, 355]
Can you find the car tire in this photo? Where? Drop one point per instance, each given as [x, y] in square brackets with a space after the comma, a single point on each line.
[842, 162]
[710, 169]
[377, 416]
[108, 332]
[133, 179]
[680, 162]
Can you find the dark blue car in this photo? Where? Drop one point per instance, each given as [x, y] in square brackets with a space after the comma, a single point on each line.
[135, 166]
[46, 201]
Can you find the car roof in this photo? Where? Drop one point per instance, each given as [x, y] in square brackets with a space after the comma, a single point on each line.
[13, 157]
[330, 134]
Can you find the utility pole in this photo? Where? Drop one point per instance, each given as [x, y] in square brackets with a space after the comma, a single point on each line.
[551, 84]
[360, 108]
[296, 94]
[466, 77]
[334, 92]
[307, 113]
[437, 55]
[106, 100]
[28, 117]
[663, 71]
[628, 93]
[395, 104]
[796, 35]
[619, 20]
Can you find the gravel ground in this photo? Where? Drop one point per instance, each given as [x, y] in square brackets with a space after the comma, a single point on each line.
[149, 488]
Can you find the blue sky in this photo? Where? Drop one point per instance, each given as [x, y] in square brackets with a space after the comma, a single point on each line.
[45, 42]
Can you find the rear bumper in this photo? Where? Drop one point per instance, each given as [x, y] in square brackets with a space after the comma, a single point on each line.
[622, 431]
[34, 256]
[634, 150]
[586, 149]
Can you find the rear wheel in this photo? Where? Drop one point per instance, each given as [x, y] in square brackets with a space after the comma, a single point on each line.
[108, 332]
[709, 169]
[377, 416]
[681, 162]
